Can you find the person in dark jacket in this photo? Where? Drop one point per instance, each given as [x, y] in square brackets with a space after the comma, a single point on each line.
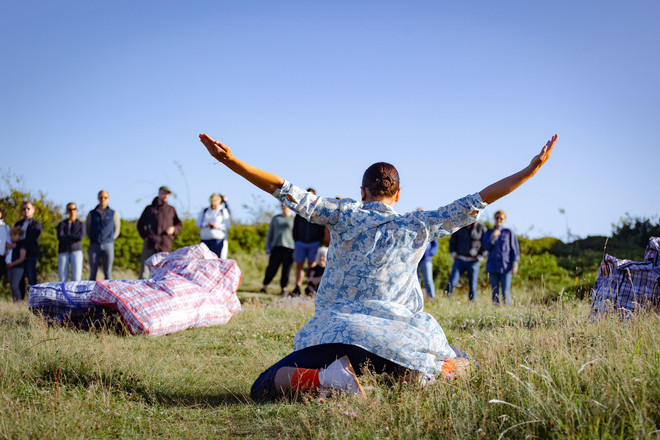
[70, 234]
[15, 261]
[465, 248]
[103, 227]
[31, 231]
[158, 225]
[307, 238]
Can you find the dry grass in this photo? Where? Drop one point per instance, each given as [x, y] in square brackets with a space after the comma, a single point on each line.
[545, 372]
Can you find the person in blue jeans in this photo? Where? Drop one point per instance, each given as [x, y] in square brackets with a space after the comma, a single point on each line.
[465, 248]
[503, 257]
[70, 233]
[103, 228]
[425, 266]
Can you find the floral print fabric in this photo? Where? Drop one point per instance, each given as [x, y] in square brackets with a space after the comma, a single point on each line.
[370, 295]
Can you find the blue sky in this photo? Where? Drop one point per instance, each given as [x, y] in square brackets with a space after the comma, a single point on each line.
[112, 95]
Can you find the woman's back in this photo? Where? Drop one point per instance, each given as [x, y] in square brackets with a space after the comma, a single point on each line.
[369, 295]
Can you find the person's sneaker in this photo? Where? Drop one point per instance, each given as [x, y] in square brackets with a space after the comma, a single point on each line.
[283, 292]
[295, 291]
[263, 290]
[340, 376]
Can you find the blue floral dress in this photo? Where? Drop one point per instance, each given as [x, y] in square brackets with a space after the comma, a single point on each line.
[370, 295]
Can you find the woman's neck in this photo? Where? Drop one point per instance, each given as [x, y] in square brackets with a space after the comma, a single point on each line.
[386, 200]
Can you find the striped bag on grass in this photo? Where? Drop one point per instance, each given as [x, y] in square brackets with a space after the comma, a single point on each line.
[189, 288]
[626, 286]
[69, 303]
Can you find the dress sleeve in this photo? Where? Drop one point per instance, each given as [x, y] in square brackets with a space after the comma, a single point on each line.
[448, 219]
[316, 209]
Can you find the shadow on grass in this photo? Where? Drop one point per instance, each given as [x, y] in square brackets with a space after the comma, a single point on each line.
[211, 400]
[69, 373]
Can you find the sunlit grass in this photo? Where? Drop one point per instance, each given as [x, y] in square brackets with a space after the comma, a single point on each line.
[544, 372]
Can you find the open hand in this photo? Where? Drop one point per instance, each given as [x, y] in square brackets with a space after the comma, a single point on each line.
[541, 158]
[217, 149]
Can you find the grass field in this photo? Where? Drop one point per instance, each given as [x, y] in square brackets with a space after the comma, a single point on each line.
[545, 372]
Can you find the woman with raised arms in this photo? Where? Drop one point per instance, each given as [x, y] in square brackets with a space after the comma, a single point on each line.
[369, 305]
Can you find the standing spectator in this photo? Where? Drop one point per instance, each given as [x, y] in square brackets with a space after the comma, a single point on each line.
[31, 232]
[307, 238]
[503, 258]
[214, 222]
[425, 266]
[5, 239]
[279, 246]
[465, 248]
[103, 227]
[15, 261]
[70, 234]
[158, 225]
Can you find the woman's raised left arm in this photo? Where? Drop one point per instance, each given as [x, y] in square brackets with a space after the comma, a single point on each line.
[508, 184]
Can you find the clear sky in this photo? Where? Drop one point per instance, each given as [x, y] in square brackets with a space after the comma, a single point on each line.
[112, 95]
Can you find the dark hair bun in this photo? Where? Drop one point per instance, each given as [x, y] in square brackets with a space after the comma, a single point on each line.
[381, 180]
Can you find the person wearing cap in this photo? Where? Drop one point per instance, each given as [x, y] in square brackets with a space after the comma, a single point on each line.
[103, 227]
[213, 222]
[157, 226]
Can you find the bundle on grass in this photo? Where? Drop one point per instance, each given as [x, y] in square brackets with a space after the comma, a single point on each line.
[70, 304]
[189, 288]
[625, 286]
[199, 265]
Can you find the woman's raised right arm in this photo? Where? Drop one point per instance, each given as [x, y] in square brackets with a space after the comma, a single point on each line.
[264, 180]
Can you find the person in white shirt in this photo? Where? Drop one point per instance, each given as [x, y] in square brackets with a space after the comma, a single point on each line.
[214, 223]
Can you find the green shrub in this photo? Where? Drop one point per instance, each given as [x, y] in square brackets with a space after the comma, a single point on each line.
[247, 238]
[188, 236]
[539, 245]
[128, 246]
[543, 272]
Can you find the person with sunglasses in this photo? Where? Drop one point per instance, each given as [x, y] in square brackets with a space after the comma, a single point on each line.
[70, 233]
[31, 231]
